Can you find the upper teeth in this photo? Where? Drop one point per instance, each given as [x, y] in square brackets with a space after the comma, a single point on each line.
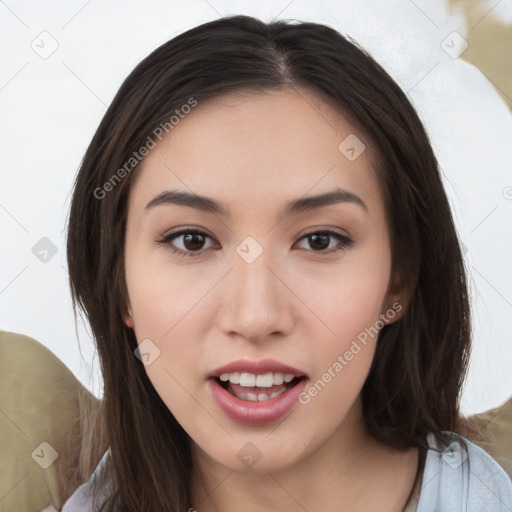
[266, 380]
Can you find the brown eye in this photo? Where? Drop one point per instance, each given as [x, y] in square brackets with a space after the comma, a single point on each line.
[192, 242]
[319, 241]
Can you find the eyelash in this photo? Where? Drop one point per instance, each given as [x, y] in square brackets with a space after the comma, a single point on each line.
[166, 241]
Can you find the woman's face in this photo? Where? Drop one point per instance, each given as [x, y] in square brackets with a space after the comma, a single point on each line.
[253, 285]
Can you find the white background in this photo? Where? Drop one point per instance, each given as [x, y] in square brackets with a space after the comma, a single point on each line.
[50, 108]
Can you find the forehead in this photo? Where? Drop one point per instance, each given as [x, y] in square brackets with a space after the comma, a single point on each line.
[254, 146]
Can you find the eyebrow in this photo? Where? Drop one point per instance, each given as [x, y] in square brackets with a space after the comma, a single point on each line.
[209, 205]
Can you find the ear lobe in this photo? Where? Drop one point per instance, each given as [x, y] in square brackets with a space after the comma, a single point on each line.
[397, 299]
[395, 306]
[128, 320]
[395, 310]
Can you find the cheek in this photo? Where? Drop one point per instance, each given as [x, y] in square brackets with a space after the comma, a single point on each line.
[349, 306]
[171, 376]
[350, 298]
[344, 352]
[159, 295]
[163, 302]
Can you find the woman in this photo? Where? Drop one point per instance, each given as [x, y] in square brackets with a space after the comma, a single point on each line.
[262, 245]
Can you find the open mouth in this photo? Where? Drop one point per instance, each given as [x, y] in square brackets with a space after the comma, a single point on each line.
[255, 393]
[257, 398]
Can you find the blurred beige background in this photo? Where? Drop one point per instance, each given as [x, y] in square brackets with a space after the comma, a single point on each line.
[490, 43]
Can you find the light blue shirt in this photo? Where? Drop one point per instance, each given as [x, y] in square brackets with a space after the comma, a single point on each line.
[454, 480]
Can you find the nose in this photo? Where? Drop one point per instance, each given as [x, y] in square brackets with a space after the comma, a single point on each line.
[256, 302]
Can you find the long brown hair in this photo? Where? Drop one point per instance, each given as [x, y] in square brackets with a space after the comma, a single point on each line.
[421, 360]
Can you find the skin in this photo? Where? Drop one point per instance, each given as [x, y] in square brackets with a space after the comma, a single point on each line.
[295, 303]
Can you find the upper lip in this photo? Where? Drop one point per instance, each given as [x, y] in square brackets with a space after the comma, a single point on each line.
[256, 367]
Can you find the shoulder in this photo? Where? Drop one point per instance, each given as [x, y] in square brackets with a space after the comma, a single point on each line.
[84, 499]
[462, 476]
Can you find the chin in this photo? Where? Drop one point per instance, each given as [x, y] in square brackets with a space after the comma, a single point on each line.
[255, 453]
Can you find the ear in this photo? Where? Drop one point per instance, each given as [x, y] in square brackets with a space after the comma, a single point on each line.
[128, 320]
[396, 302]
[393, 309]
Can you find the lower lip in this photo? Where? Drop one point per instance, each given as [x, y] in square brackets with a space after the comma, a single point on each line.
[256, 413]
